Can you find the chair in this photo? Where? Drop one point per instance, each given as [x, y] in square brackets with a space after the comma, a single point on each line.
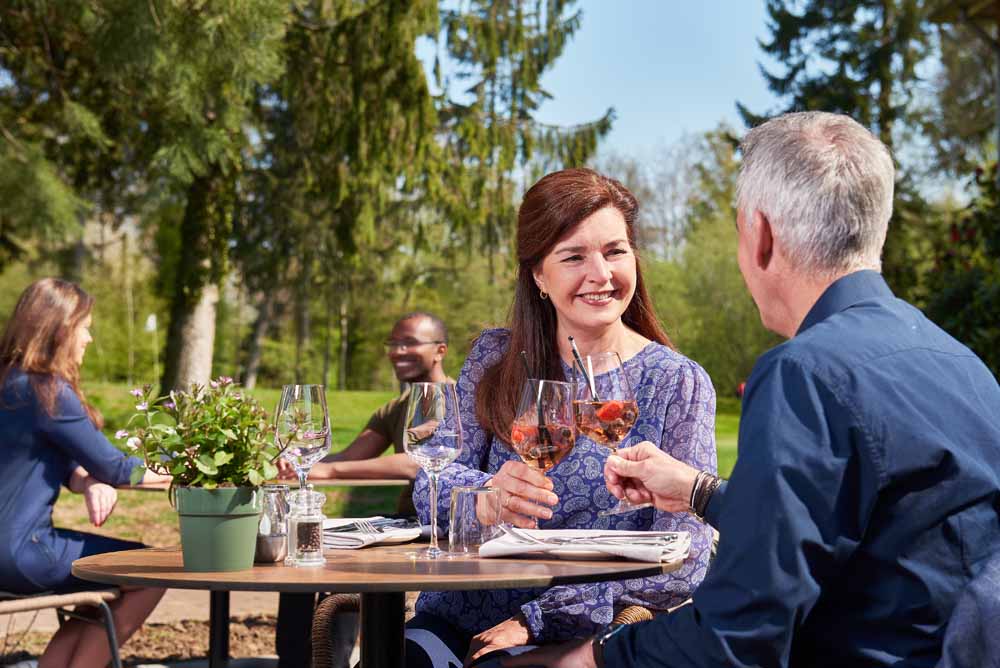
[972, 637]
[11, 603]
[323, 641]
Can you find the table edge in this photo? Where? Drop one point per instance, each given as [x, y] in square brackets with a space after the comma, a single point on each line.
[636, 570]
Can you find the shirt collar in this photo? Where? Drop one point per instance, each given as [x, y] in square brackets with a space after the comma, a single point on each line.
[845, 292]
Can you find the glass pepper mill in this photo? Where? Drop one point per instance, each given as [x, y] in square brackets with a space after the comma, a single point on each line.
[305, 528]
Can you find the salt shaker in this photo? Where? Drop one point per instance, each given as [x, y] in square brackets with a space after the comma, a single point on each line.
[305, 528]
[272, 530]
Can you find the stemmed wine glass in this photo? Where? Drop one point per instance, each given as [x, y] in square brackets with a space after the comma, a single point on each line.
[606, 408]
[302, 427]
[433, 438]
[544, 432]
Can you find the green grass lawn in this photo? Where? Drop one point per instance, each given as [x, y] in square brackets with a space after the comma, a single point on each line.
[147, 516]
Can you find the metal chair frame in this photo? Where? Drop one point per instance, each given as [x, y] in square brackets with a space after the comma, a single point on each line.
[11, 603]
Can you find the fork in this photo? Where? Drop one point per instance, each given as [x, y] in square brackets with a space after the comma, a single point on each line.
[365, 526]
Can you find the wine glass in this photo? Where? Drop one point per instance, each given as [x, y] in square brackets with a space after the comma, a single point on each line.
[433, 438]
[605, 408]
[544, 432]
[302, 427]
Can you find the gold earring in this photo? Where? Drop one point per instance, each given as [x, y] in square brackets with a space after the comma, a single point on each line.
[543, 294]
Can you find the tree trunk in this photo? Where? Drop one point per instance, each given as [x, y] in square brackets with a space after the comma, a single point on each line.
[302, 324]
[886, 113]
[996, 94]
[344, 333]
[260, 327]
[328, 334]
[191, 334]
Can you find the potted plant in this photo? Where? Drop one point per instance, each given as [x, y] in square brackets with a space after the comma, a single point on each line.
[218, 444]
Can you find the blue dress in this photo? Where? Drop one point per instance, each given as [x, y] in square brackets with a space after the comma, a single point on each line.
[676, 411]
[38, 453]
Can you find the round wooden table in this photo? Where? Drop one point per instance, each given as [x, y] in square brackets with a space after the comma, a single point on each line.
[381, 574]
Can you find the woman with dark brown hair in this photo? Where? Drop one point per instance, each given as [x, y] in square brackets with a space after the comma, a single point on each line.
[50, 436]
[578, 275]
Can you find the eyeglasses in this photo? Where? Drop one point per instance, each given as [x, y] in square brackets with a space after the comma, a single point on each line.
[403, 346]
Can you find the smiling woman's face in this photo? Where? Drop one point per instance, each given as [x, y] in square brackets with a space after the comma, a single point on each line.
[590, 274]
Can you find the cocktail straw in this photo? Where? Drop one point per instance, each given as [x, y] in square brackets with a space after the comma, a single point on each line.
[543, 433]
[524, 361]
[579, 361]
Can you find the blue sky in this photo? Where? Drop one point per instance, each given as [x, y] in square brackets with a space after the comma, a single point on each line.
[668, 67]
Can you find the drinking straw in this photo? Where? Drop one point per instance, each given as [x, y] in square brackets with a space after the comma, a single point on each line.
[543, 433]
[579, 361]
[524, 361]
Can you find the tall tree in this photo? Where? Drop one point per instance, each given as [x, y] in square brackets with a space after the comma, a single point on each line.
[499, 50]
[857, 57]
[968, 86]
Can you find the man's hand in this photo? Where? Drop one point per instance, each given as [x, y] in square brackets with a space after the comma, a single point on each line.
[100, 500]
[512, 632]
[573, 654]
[646, 474]
[522, 490]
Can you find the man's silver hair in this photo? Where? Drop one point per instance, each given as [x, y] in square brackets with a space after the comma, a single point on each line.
[825, 184]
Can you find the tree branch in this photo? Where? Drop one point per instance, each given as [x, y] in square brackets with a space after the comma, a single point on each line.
[980, 31]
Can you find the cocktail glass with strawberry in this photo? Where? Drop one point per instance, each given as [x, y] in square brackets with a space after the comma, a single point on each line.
[543, 432]
[605, 408]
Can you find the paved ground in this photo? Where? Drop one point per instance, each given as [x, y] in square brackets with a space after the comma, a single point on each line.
[177, 604]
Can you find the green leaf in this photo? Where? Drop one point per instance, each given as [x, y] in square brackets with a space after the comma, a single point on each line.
[136, 475]
[255, 478]
[222, 458]
[206, 465]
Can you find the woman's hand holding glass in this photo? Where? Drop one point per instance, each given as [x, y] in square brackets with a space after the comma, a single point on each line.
[525, 494]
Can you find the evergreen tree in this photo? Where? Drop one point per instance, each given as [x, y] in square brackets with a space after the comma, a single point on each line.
[856, 57]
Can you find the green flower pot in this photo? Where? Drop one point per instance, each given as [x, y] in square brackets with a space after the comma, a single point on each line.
[218, 527]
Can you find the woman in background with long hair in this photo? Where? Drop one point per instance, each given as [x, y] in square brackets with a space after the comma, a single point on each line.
[50, 437]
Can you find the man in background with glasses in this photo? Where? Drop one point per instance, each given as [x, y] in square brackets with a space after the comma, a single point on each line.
[416, 348]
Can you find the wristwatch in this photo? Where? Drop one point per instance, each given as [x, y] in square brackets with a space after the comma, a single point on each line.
[600, 639]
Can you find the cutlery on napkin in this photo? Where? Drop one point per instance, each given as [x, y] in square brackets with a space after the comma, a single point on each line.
[651, 546]
[343, 533]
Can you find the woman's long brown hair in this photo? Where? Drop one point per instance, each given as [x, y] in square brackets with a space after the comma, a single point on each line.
[39, 340]
[551, 209]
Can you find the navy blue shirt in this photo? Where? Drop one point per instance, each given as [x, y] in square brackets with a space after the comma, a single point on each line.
[865, 496]
[38, 452]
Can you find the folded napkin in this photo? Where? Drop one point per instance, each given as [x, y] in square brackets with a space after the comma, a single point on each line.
[352, 540]
[652, 546]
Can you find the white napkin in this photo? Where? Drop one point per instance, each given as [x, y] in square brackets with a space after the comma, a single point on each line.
[606, 541]
[352, 540]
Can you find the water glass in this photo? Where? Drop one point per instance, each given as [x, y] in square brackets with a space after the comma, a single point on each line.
[432, 437]
[475, 518]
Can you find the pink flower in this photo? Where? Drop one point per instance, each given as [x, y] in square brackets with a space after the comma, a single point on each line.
[121, 433]
[136, 392]
[213, 384]
[133, 443]
[143, 406]
[169, 405]
[226, 380]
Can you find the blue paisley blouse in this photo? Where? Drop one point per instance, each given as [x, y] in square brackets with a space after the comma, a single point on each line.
[676, 410]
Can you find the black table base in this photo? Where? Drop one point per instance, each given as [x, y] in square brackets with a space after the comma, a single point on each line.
[382, 622]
